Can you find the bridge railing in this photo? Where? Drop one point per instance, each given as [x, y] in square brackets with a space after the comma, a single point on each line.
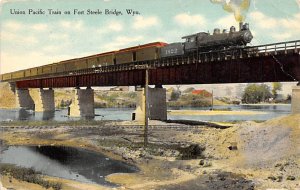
[290, 45]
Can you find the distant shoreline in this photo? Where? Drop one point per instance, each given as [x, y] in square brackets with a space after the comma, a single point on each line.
[213, 112]
[266, 104]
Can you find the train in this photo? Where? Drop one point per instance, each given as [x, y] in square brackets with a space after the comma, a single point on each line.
[201, 42]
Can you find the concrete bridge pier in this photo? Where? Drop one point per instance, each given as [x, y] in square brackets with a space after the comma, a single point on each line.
[296, 99]
[157, 105]
[44, 100]
[82, 103]
[23, 99]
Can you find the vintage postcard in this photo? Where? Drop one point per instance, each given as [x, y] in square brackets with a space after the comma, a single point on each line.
[161, 94]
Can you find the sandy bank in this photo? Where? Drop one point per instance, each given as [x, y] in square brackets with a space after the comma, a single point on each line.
[214, 112]
[265, 154]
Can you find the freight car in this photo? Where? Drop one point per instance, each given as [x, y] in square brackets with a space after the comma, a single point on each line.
[133, 54]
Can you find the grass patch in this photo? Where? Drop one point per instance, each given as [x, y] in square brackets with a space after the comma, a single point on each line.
[29, 175]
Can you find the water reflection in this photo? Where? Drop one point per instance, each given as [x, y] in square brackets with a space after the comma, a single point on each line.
[24, 114]
[48, 115]
[65, 162]
[125, 113]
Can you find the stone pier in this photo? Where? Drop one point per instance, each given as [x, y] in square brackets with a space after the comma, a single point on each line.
[296, 100]
[82, 103]
[157, 105]
[44, 100]
[23, 99]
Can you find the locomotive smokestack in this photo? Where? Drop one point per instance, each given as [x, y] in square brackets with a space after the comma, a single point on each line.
[241, 25]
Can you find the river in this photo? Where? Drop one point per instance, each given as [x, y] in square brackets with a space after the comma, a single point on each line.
[271, 111]
[65, 162]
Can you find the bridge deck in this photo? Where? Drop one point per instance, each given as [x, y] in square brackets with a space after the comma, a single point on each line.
[266, 63]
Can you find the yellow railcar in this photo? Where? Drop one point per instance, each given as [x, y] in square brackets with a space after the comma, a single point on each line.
[33, 71]
[102, 59]
[148, 53]
[58, 68]
[27, 73]
[18, 74]
[6, 76]
[69, 65]
[47, 69]
[125, 57]
[139, 53]
[81, 64]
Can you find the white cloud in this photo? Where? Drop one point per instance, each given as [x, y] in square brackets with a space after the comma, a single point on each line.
[15, 26]
[227, 22]
[279, 29]
[68, 25]
[298, 2]
[10, 62]
[281, 36]
[115, 26]
[141, 22]
[40, 27]
[9, 36]
[12, 25]
[19, 40]
[263, 21]
[59, 37]
[190, 20]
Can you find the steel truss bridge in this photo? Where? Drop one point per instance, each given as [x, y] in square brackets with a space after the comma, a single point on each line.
[277, 62]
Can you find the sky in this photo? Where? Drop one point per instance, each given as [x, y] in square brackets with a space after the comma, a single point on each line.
[37, 39]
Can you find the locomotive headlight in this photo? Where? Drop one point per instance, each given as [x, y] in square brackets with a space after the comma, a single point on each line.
[247, 36]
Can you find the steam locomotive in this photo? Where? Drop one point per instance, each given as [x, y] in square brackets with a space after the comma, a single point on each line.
[204, 41]
[201, 42]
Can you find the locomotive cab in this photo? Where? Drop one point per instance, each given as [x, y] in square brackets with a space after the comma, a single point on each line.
[191, 41]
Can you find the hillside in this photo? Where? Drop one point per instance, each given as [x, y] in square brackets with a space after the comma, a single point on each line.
[107, 99]
[7, 97]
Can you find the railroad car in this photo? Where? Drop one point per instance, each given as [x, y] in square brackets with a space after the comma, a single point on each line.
[58, 68]
[47, 69]
[81, 63]
[6, 76]
[139, 53]
[68, 64]
[18, 74]
[149, 51]
[106, 59]
[103, 59]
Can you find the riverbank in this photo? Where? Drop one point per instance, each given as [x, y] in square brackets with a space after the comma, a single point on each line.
[213, 112]
[243, 156]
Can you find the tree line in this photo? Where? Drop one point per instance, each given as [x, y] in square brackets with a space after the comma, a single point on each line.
[256, 93]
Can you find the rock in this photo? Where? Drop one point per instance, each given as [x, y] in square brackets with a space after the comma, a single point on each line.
[233, 146]
[188, 167]
[207, 164]
[273, 178]
[222, 177]
[281, 168]
[201, 163]
[291, 178]
[279, 178]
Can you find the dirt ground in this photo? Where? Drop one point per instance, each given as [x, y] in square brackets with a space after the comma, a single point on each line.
[246, 155]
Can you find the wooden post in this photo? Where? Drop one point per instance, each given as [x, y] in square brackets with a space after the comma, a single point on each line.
[146, 108]
[212, 100]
